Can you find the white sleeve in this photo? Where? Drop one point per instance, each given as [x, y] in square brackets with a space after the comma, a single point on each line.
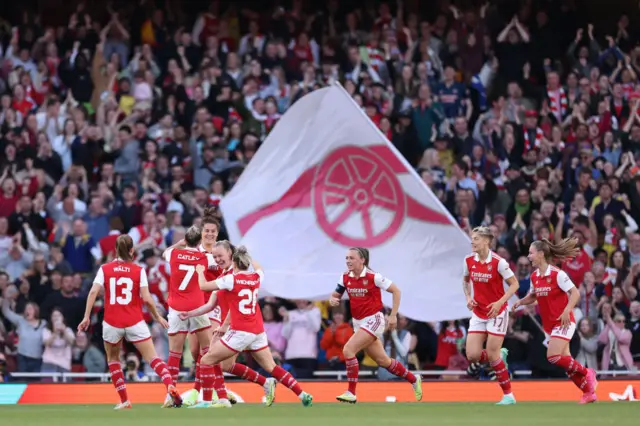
[225, 283]
[99, 279]
[260, 273]
[135, 235]
[143, 278]
[564, 282]
[381, 282]
[211, 263]
[465, 268]
[504, 269]
[167, 254]
[341, 281]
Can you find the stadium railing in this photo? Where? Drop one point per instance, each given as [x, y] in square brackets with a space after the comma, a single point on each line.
[337, 375]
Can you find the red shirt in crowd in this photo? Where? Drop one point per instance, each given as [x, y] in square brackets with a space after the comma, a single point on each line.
[577, 267]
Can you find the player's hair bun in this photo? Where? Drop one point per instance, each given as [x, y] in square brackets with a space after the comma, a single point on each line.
[242, 250]
[208, 212]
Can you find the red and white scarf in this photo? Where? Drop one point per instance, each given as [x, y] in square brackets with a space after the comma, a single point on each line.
[376, 57]
[528, 146]
[558, 103]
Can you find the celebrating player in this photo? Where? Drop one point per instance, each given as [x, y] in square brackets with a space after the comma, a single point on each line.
[125, 289]
[246, 332]
[210, 229]
[487, 271]
[218, 311]
[557, 296]
[185, 295]
[364, 288]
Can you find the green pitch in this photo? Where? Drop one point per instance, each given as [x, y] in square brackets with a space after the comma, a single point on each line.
[523, 414]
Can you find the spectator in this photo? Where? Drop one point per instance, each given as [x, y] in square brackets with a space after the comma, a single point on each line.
[334, 338]
[301, 327]
[617, 340]
[30, 329]
[77, 246]
[273, 329]
[58, 340]
[90, 357]
[587, 355]
[67, 301]
[450, 333]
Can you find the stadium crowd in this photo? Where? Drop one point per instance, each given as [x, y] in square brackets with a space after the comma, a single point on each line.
[521, 117]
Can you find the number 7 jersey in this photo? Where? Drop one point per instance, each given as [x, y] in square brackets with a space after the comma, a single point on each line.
[122, 282]
[241, 296]
[184, 290]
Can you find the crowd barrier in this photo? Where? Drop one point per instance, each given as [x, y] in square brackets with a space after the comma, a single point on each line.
[325, 392]
[322, 375]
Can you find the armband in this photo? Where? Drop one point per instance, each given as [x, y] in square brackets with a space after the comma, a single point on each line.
[340, 289]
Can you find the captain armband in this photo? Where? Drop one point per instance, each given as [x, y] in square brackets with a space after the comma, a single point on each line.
[340, 289]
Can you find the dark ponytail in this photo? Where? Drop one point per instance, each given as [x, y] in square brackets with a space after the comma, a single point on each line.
[124, 244]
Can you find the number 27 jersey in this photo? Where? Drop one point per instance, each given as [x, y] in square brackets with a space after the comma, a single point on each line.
[184, 289]
[241, 296]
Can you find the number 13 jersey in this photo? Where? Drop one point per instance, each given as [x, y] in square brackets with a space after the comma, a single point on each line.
[122, 282]
[241, 297]
[184, 289]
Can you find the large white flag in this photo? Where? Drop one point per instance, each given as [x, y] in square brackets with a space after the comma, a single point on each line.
[326, 179]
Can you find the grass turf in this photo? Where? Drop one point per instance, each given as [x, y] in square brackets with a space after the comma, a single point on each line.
[523, 414]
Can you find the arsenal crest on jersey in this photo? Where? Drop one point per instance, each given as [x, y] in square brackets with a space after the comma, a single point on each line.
[365, 282]
[489, 268]
[548, 280]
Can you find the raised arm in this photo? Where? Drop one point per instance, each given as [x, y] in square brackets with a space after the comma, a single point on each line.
[202, 280]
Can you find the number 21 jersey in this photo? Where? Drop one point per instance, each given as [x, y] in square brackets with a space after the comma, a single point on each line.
[241, 296]
[122, 282]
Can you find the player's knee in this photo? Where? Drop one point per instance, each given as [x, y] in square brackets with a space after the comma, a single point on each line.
[348, 351]
[473, 356]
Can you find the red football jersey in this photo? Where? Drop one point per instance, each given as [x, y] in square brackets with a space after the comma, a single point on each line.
[122, 282]
[577, 267]
[184, 290]
[365, 292]
[210, 274]
[487, 278]
[448, 344]
[551, 291]
[241, 295]
[222, 302]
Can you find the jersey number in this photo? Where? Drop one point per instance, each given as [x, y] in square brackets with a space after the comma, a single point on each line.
[247, 305]
[125, 286]
[189, 271]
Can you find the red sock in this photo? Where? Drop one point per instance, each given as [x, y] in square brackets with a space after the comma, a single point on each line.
[117, 378]
[502, 374]
[247, 373]
[173, 365]
[284, 377]
[484, 357]
[353, 370]
[198, 375]
[161, 370]
[568, 364]
[578, 380]
[401, 371]
[218, 382]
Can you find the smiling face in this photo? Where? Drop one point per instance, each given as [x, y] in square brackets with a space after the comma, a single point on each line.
[209, 233]
[222, 256]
